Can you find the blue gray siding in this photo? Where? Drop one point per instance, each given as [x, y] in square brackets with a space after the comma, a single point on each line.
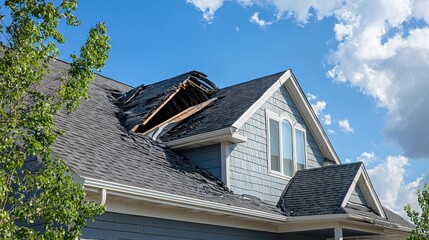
[208, 157]
[357, 197]
[248, 161]
[112, 226]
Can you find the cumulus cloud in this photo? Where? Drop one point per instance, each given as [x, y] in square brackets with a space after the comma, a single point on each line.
[319, 107]
[381, 52]
[385, 57]
[331, 131]
[366, 158]
[388, 180]
[207, 7]
[327, 120]
[261, 22]
[344, 125]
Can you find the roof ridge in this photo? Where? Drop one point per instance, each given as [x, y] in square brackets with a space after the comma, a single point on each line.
[255, 79]
[330, 166]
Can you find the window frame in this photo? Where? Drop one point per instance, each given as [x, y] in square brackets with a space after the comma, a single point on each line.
[294, 126]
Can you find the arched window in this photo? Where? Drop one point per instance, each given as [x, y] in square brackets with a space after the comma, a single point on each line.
[286, 146]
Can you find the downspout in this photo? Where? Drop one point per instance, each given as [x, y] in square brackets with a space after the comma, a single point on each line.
[103, 197]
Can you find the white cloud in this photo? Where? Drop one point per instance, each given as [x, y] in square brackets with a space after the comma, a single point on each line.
[237, 29]
[385, 57]
[261, 22]
[348, 160]
[380, 52]
[388, 180]
[327, 120]
[344, 125]
[311, 97]
[366, 158]
[331, 131]
[319, 107]
[208, 7]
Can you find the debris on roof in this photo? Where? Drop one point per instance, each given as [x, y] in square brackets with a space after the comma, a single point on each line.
[151, 109]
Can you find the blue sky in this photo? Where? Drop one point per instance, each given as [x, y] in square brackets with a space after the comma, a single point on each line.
[346, 56]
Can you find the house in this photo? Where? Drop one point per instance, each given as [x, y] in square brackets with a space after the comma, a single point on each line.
[182, 159]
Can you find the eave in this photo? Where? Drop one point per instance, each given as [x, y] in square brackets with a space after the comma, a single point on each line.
[229, 134]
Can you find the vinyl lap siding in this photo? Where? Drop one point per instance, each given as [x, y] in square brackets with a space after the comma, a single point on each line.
[208, 157]
[248, 161]
[115, 226]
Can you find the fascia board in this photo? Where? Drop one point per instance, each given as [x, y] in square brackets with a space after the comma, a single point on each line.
[181, 201]
[311, 119]
[371, 199]
[351, 187]
[258, 103]
[231, 134]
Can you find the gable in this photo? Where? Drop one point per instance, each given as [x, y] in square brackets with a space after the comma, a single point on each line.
[332, 189]
[357, 197]
[297, 95]
[362, 194]
[249, 171]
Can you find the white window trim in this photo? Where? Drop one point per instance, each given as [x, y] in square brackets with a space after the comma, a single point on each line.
[295, 125]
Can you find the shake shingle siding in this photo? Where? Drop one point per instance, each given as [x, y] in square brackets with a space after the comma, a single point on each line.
[249, 162]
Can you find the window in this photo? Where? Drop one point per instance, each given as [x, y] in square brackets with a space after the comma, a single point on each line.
[287, 152]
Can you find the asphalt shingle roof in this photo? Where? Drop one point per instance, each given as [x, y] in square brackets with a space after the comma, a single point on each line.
[138, 103]
[224, 112]
[318, 191]
[95, 145]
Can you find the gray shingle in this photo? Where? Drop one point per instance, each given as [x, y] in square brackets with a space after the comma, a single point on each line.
[318, 191]
[95, 145]
[226, 110]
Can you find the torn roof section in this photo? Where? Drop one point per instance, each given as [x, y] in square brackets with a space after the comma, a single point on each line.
[146, 109]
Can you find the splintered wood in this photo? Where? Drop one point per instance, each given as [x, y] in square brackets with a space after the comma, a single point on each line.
[190, 96]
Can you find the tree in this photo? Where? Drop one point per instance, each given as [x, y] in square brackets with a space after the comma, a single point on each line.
[420, 220]
[41, 202]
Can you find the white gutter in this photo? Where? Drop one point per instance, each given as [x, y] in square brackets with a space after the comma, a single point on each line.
[174, 200]
[312, 218]
[181, 201]
[380, 223]
[230, 134]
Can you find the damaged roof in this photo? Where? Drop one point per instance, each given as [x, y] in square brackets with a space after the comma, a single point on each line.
[144, 107]
[96, 145]
[226, 111]
[162, 102]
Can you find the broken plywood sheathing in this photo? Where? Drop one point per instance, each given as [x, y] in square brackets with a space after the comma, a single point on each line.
[145, 108]
[170, 123]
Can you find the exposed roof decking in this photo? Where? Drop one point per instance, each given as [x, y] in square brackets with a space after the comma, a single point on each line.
[226, 111]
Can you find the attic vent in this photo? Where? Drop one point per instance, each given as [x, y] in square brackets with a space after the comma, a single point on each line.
[149, 109]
